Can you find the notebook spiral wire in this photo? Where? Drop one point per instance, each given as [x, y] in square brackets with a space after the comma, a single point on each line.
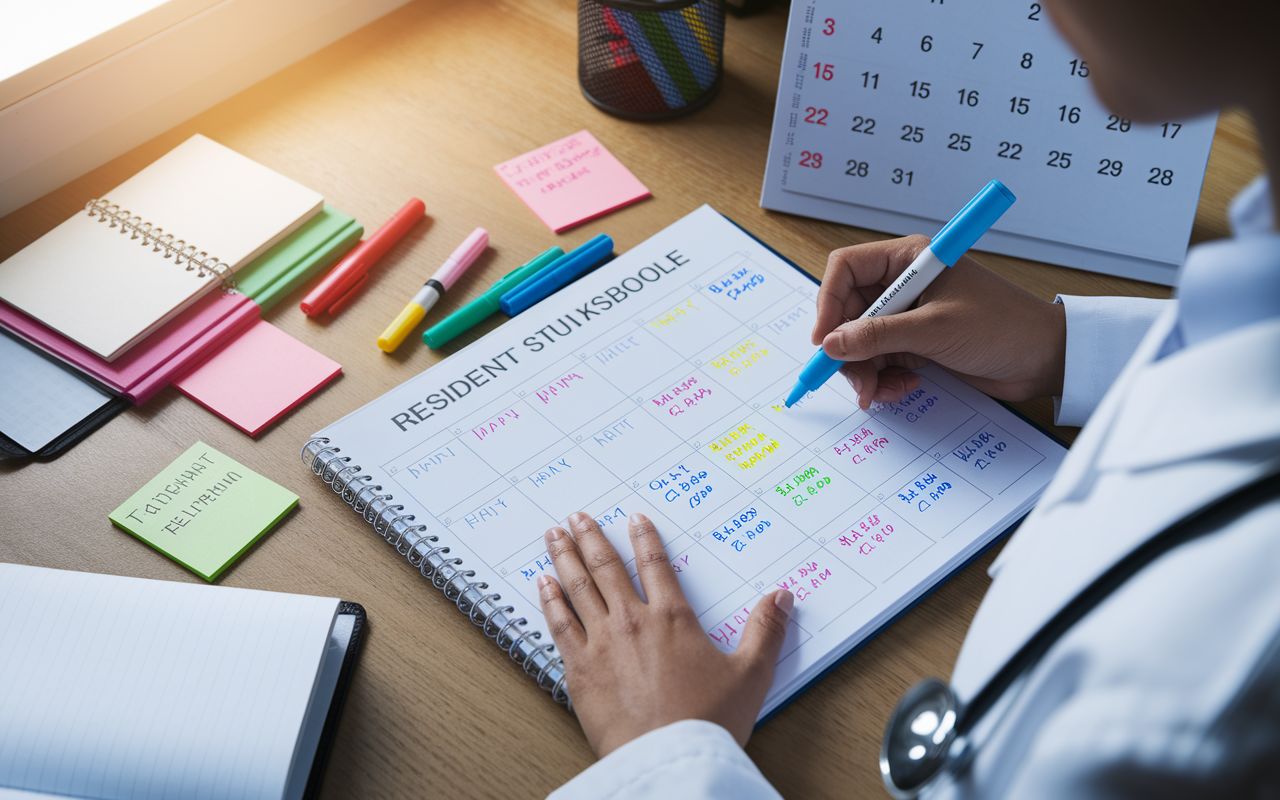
[165, 243]
[431, 559]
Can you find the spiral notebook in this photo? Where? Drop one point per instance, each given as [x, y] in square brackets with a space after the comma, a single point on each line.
[152, 246]
[656, 385]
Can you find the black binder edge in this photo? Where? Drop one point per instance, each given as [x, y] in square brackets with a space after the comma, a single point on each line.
[68, 438]
[330, 731]
[960, 568]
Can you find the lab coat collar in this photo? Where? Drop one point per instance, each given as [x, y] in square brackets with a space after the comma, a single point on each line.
[1219, 396]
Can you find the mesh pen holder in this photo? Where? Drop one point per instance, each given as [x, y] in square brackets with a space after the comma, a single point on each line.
[650, 59]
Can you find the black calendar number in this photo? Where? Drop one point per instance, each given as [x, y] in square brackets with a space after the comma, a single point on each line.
[828, 26]
[1161, 177]
[861, 125]
[1108, 167]
[968, 97]
[870, 81]
[979, 50]
[1079, 68]
[1057, 159]
[926, 44]
[1019, 105]
[1170, 129]
[817, 116]
[959, 142]
[813, 160]
[824, 71]
[1035, 12]
[920, 89]
[912, 133]
[1118, 123]
[902, 177]
[1071, 115]
[1026, 61]
[877, 36]
[857, 169]
[1010, 150]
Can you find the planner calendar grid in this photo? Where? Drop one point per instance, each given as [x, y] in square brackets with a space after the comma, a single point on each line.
[910, 107]
[677, 413]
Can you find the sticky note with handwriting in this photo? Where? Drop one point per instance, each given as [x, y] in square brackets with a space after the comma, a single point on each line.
[204, 510]
[571, 181]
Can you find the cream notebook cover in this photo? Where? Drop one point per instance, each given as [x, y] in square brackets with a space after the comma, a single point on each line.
[150, 247]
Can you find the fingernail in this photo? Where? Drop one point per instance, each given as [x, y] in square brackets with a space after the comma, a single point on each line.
[637, 518]
[554, 534]
[578, 517]
[783, 599]
[543, 581]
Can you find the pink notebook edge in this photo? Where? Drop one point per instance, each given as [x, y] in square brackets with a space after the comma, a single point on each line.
[167, 351]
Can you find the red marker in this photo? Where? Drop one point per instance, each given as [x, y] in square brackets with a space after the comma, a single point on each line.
[340, 285]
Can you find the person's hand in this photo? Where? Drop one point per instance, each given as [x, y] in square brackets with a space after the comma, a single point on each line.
[979, 326]
[633, 666]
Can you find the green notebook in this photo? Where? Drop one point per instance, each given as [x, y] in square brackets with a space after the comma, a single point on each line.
[298, 256]
[204, 510]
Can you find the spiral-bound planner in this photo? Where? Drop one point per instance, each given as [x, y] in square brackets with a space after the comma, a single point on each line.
[656, 385]
[149, 248]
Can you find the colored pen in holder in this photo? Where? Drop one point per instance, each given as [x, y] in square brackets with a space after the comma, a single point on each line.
[647, 60]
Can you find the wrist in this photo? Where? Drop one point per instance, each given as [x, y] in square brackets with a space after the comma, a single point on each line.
[1054, 359]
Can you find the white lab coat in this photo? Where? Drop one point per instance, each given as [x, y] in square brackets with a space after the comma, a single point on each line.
[1170, 688]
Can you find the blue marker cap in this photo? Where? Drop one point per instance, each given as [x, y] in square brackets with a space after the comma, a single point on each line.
[557, 275]
[974, 219]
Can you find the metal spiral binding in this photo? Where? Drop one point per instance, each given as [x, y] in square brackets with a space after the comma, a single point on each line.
[161, 242]
[425, 554]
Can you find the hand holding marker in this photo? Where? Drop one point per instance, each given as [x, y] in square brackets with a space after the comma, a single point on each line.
[956, 237]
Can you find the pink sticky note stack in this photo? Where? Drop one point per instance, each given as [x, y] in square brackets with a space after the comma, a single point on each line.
[571, 181]
[259, 377]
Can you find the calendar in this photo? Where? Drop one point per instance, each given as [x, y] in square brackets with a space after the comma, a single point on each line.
[892, 114]
[656, 385]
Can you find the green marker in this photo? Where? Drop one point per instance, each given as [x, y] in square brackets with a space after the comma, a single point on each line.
[475, 312]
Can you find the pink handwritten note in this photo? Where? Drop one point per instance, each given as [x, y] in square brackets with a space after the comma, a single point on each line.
[571, 181]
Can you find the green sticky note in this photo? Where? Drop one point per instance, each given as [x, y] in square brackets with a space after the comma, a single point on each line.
[204, 510]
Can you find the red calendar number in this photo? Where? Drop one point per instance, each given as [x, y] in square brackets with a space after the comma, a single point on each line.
[808, 159]
[818, 116]
[824, 71]
[828, 26]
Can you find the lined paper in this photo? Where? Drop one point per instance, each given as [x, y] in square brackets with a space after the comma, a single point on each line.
[129, 688]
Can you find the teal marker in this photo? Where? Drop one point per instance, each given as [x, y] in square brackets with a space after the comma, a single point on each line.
[475, 312]
[955, 238]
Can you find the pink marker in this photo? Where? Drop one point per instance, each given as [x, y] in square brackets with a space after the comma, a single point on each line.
[431, 291]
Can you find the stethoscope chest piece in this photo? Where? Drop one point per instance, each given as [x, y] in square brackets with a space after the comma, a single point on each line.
[920, 740]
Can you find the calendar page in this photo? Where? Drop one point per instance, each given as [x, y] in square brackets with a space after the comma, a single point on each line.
[892, 114]
[656, 385]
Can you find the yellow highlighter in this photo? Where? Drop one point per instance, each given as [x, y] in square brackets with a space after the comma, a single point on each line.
[431, 291]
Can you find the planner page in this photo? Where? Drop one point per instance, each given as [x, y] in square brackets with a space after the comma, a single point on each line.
[123, 687]
[656, 385]
[892, 115]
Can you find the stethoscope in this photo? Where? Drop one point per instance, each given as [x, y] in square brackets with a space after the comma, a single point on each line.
[928, 736]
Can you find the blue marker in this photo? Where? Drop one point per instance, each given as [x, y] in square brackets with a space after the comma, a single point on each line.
[945, 250]
[557, 275]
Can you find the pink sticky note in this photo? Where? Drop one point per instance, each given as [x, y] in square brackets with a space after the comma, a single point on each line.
[261, 375]
[571, 181]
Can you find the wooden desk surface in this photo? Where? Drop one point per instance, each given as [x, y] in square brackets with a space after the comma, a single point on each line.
[423, 103]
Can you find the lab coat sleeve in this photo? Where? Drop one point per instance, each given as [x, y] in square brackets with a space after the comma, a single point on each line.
[1102, 334]
[687, 759]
